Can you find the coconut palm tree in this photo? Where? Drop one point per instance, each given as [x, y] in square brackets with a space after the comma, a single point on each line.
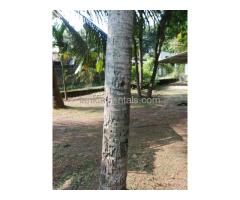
[160, 37]
[116, 111]
[117, 89]
[141, 22]
[171, 25]
[88, 49]
[58, 32]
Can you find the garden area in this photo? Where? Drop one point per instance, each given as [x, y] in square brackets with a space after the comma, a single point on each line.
[143, 102]
[119, 100]
[157, 143]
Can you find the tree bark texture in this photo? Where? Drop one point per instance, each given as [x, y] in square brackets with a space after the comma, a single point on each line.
[116, 112]
[57, 99]
[159, 42]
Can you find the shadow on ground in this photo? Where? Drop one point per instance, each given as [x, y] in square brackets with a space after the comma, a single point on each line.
[77, 153]
[144, 141]
[77, 143]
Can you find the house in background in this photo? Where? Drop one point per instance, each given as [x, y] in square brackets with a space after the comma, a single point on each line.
[69, 68]
[174, 59]
[162, 71]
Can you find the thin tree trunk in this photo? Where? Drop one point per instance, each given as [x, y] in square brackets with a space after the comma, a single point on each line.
[159, 42]
[141, 64]
[116, 112]
[137, 67]
[57, 99]
[152, 80]
[140, 37]
[63, 81]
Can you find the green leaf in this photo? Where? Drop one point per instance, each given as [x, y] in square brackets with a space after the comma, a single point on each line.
[99, 66]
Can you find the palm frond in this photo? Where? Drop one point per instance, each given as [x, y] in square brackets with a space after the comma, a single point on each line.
[57, 33]
[96, 35]
[79, 43]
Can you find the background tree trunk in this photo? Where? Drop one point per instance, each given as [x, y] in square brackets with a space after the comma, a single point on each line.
[140, 37]
[159, 42]
[63, 81]
[57, 99]
[116, 114]
[137, 67]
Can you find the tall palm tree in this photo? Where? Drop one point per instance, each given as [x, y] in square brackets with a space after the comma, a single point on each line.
[58, 32]
[89, 49]
[116, 112]
[135, 54]
[141, 22]
[58, 36]
[160, 37]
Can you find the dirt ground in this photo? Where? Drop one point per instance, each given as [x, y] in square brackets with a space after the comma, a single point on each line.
[157, 156]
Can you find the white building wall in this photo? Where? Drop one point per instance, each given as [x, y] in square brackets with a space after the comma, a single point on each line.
[186, 69]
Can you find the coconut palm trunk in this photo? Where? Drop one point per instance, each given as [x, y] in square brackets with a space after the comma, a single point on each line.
[116, 110]
[57, 99]
[64, 82]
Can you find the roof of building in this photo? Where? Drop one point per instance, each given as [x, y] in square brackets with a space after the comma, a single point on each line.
[180, 58]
